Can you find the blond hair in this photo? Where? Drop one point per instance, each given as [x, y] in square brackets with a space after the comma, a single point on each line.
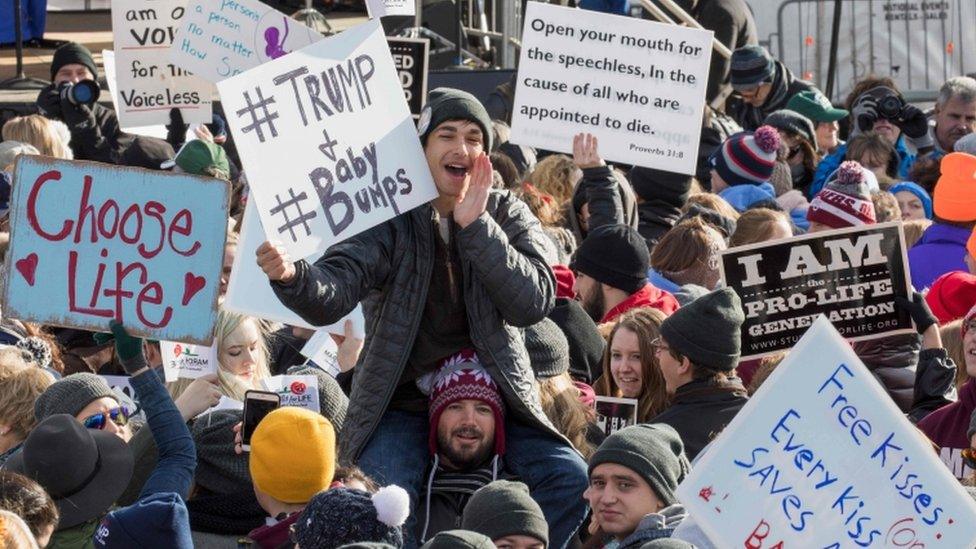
[885, 206]
[951, 334]
[231, 385]
[20, 385]
[914, 229]
[556, 175]
[14, 533]
[38, 131]
[756, 225]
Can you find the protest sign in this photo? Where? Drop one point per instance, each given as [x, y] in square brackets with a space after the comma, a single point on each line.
[335, 110]
[299, 391]
[852, 275]
[637, 85]
[323, 351]
[382, 8]
[821, 456]
[108, 61]
[410, 60]
[91, 242]
[182, 361]
[217, 40]
[149, 86]
[249, 291]
[613, 414]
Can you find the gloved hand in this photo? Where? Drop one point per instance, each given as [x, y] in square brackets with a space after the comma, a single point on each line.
[49, 102]
[865, 114]
[176, 129]
[912, 122]
[919, 310]
[76, 116]
[128, 348]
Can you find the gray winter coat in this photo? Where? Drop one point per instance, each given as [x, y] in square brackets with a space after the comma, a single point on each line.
[507, 285]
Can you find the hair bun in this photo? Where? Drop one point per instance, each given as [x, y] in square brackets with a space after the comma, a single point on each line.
[767, 138]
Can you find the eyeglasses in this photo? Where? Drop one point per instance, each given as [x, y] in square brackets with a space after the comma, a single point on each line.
[118, 416]
[658, 345]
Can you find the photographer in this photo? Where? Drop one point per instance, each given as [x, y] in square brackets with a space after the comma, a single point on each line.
[95, 131]
[876, 105]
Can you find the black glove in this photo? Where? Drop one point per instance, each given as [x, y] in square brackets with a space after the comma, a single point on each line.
[49, 102]
[176, 129]
[919, 310]
[76, 116]
[912, 121]
[865, 114]
[128, 348]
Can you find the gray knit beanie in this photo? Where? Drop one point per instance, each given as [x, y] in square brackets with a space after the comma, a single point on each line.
[654, 451]
[794, 122]
[332, 401]
[707, 330]
[445, 104]
[459, 539]
[505, 508]
[548, 349]
[219, 469]
[667, 543]
[70, 394]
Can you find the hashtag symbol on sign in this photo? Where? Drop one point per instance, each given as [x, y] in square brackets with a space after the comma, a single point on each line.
[257, 122]
[302, 218]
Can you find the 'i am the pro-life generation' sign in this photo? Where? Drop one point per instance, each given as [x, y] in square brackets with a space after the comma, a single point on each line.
[92, 242]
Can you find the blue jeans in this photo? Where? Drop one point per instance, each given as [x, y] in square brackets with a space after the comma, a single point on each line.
[556, 475]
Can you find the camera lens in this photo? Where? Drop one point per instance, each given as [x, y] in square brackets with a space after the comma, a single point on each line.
[85, 92]
[890, 107]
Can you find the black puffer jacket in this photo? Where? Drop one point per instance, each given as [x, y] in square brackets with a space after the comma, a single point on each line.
[701, 409]
[95, 131]
[507, 285]
[892, 360]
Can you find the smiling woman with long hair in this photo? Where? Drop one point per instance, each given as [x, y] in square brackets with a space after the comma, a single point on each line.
[630, 368]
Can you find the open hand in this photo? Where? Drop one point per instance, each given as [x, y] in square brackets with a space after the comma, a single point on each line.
[586, 152]
[349, 347]
[473, 203]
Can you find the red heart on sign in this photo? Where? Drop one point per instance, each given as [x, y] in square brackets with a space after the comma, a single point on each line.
[26, 267]
[191, 285]
[298, 388]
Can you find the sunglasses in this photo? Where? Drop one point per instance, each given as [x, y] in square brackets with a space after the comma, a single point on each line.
[118, 416]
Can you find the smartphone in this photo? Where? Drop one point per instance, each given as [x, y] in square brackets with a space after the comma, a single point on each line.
[257, 404]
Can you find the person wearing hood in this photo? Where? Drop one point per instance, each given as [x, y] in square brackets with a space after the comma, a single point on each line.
[698, 351]
[942, 247]
[467, 441]
[660, 196]
[634, 478]
[611, 268]
[764, 85]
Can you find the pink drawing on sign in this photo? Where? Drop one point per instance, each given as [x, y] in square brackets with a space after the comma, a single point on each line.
[273, 47]
[26, 267]
[191, 285]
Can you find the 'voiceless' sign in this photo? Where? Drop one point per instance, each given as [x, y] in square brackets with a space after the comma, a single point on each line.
[637, 85]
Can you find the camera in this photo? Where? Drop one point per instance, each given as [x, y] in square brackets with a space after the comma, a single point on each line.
[890, 107]
[85, 92]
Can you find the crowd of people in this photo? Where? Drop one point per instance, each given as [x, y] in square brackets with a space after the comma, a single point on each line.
[495, 316]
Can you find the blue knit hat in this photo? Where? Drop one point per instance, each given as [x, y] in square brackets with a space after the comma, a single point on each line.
[918, 191]
[747, 158]
[751, 66]
[160, 520]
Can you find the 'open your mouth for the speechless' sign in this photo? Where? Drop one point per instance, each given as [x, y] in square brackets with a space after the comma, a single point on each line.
[92, 242]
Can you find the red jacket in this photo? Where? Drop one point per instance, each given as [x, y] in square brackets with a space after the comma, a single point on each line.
[648, 296]
[947, 428]
[276, 535]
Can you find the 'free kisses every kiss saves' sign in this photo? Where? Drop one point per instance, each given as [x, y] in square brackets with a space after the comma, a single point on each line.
[91, 242]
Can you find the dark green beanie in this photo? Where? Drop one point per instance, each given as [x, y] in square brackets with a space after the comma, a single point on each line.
[652, 450]
[459, 539]
[445, 104]
[73, 52]
[707, 330]
[505, 508]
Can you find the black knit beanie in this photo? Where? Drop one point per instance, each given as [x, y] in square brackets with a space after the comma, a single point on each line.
[445, 104]
[659, 185]
[707, 330]
[505, 508]
[652, 450]
[615, 255]
[338, 516]
[73, 52]
[585, 343]
[792, 121]
[459, 539]
[548, 349]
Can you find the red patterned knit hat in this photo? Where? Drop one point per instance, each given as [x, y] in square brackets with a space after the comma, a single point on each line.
[845, 201]
[747, 158]
[461, 377]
